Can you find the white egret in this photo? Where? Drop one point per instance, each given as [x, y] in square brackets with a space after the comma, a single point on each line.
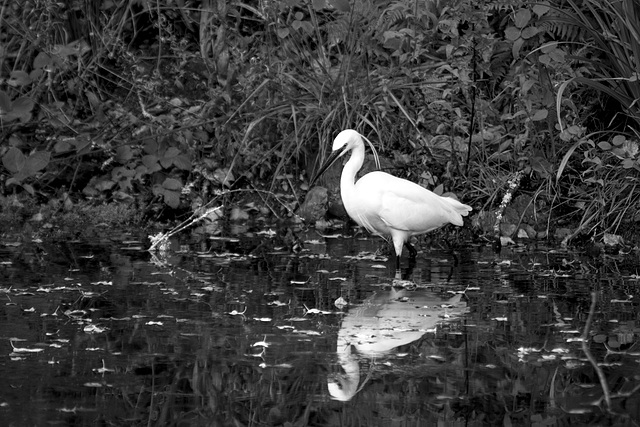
[387, 205]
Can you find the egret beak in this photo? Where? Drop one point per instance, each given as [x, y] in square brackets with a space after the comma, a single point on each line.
[330, 161]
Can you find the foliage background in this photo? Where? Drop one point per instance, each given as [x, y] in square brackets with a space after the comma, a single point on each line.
[167, 105]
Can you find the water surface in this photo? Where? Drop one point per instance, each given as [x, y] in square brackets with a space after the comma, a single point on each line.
[238, 330]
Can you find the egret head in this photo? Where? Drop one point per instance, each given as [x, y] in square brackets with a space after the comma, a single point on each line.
[346, 141]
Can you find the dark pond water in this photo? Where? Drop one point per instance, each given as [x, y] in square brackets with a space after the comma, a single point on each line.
[237, 332]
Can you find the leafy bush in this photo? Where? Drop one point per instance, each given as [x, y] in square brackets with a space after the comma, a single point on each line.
[165, 104]
[606, 45]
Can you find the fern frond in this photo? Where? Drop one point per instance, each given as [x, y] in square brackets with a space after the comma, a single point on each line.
[395, 13]
[563, 29]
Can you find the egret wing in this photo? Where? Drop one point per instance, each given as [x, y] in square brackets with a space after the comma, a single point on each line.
[404, 205]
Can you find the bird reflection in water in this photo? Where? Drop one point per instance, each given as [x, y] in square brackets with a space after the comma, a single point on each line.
[385, 321]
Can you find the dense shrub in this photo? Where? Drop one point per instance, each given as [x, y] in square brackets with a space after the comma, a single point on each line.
[170, 105]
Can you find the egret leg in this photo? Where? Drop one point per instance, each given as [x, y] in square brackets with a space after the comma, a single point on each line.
[411, 249]
[409, 272]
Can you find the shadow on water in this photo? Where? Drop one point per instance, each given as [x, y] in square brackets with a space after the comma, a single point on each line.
[234, 331]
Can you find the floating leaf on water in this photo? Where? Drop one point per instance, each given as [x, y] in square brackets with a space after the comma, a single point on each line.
[314, 242]
[225, 239]
[307, 332]
[298, 319]
[282, 366]
[578, 411]
[75, 313]
[94, 329]
[262, 343]
[261, 354]
[103, 369]
[26, 350]
[340, 302]
[331, 236]
[315, 311]
[277, 303]
[527, 350]
[365, 256]
[92, 384]
[89, 294]
[236, 312]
